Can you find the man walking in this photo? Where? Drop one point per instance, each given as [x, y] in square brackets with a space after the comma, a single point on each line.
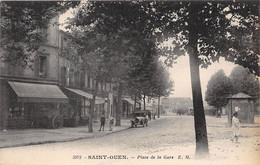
[103, 121]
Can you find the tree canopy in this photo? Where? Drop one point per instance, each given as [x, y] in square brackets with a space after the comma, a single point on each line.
[219, 29]
[243, 81]
[161, 81]
[218, 89]
[21, 28]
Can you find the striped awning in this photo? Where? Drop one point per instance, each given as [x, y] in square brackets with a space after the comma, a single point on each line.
[98, 100]
[30, 92]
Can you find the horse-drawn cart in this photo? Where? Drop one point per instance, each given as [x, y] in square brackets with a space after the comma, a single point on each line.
[50, 118]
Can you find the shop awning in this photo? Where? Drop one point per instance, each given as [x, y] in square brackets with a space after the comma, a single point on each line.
[41, 93]
[129, 100]
[98, 100]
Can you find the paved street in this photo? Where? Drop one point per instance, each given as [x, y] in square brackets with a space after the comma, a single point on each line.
[171, 138]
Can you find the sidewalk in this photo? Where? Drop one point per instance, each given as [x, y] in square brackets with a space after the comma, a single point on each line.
[24, 137]
[212, 121]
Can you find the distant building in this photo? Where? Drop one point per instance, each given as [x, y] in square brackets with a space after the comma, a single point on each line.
[173, 104]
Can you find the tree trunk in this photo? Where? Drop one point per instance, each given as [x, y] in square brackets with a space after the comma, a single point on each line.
[119, 105]
[202, 150]
[159, 106]
[92, 107]
[92, 103]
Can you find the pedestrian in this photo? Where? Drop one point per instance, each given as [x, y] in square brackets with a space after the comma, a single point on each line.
[235, 127]
[103, 121]
[111, 123]
[149, 115]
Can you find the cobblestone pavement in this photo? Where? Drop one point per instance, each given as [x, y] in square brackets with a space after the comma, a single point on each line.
[171, 138]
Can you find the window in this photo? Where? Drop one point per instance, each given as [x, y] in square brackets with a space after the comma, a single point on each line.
[63, 75]
[93, 84]
[104, 86]
[42, 66]
[61, 42]
[82, 80]
[16, 111]
[107, 86]
[99, 86]
[71, 78]
[89, 80]
[110, 87]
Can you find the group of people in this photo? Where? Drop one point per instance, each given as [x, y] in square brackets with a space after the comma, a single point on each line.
[103, 121]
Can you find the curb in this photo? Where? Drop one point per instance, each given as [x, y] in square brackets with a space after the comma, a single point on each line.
[219, 126]
[256, 126]
[66, 140]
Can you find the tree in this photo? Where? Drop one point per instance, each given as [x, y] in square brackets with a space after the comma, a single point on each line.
[161, 83]
[218, 89]
[243, 81]
[93, 59]
[21, 28]
[205, 31]
[124, 45]
[142, 76]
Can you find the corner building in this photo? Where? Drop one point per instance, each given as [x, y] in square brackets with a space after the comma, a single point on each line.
[27, 94]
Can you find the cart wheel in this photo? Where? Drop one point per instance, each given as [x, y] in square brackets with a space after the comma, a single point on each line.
[57, 121]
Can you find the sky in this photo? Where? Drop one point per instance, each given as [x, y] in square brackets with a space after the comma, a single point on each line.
[180, 74]
[63, 17]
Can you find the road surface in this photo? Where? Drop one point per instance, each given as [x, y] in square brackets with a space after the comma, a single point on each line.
[168, 139]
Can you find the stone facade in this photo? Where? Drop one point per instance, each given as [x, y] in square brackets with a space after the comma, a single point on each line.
[44, 71]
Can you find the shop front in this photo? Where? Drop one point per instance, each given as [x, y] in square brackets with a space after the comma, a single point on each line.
[34, 105]
[127, 107]
[80, 101]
